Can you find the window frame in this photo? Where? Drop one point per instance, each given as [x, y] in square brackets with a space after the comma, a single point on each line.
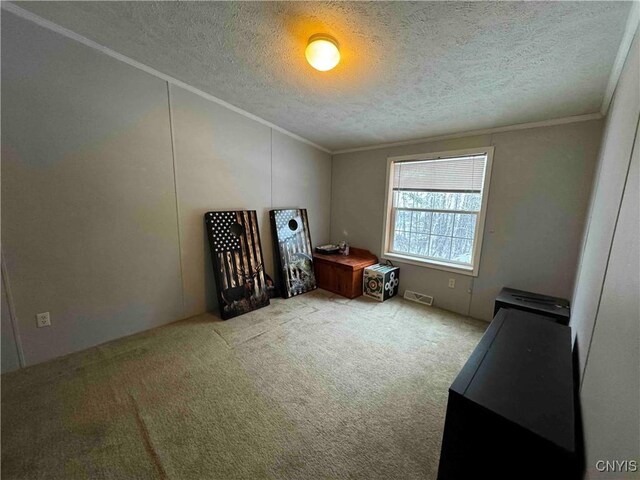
[389, 211]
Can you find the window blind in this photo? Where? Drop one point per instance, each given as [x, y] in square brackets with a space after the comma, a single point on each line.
[458, 174]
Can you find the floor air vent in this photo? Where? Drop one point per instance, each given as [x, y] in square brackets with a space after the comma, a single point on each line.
[418, 297]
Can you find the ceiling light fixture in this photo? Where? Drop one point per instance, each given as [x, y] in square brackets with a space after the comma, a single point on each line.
[322, 52]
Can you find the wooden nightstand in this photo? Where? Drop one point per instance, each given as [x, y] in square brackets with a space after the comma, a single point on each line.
[342, 274]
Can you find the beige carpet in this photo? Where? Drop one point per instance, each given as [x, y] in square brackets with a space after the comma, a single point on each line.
[312, 387]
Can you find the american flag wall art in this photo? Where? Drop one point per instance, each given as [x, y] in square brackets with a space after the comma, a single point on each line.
[238, 264]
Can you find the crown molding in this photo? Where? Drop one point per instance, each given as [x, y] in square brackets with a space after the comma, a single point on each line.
[633, 20]
[487, 131]
[630, 29]
[32, 17]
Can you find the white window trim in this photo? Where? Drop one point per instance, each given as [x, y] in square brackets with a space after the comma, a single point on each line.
[429, 263]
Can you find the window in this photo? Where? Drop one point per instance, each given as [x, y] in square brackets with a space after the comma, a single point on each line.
[435, 209]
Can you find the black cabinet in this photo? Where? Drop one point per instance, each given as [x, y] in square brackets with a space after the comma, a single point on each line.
[552, 307]
[510, 412]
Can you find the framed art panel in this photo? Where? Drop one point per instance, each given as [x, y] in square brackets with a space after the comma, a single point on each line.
[294, 254]
[238, 264]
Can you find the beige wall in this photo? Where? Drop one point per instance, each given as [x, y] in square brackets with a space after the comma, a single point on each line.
[301, 177]
[96, 228]
[227, 161]
[223, 161]
[535, 217]
[9, 348]
[606, 315]
[617, 143]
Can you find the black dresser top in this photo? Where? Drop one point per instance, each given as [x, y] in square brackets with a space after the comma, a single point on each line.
[522, 371]
[534, 302]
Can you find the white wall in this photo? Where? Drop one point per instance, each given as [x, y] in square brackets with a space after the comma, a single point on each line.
[617, 143]
[98, 228]
[606, 316]
[537, 205]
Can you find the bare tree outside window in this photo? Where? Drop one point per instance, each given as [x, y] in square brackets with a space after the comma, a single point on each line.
[436, 208]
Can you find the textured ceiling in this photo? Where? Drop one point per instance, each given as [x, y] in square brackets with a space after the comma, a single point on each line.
[408, 70]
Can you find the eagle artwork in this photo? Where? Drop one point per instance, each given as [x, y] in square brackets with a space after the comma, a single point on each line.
[294, 256]
[238, 264]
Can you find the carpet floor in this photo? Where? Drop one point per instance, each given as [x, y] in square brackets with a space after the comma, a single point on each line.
[314, 387]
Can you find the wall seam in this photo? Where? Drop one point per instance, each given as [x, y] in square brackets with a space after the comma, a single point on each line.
[29, 16]
[271, 155]
[49, 25]
[589, 214]
[588, 217]
[175, 191]
[604, 277]
[12, 312]
[484, 239]
[624, 48]
[331, 200]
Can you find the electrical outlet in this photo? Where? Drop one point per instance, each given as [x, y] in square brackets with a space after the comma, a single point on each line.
[43, 320]
[452, 283]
